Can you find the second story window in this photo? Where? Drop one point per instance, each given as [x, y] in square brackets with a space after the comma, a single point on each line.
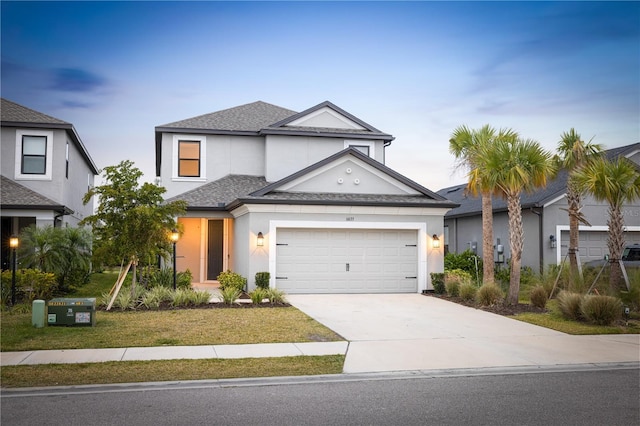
[189, 158]
[34, 155]
[66, 165]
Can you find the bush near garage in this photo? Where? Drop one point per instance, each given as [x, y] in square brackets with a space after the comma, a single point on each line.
[232, 279]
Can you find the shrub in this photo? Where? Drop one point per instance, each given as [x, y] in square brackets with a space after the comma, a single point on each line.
[569, 304]
[454, 279]
[468, 292]
[538, 297]
[601, 310]
[154, 297]
[631, 298]
[276, 295]
[124, 300]
[465, 261]
[229, 295]
[262, 279]
[182, 297]
[231, 279]
[30, 285]
[437, 280]
[453, 288]
[489, 294]
[201, 297]
[258, 295]
[183, 279]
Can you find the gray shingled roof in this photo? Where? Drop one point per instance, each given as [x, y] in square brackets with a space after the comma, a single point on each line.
[470, 205]
[12, 111]
[248, 118]
[221, 192]
[14, 195]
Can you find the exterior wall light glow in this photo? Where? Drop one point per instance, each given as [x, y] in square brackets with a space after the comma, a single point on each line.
[260, 240]
[435, 241]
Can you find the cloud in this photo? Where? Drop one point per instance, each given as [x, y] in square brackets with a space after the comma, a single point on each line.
[76, 80]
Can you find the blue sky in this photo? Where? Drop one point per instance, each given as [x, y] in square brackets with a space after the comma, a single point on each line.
[415, 70]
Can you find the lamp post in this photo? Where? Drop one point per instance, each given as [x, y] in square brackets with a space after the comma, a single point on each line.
[13, 243]
[175, 235]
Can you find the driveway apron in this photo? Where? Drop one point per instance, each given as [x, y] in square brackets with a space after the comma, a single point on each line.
[396, 332]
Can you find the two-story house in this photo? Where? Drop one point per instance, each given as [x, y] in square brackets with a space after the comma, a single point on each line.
[46, 170]
[545, 221]
[305, 196]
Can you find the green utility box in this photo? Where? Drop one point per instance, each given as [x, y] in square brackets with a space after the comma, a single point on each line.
[72, 312]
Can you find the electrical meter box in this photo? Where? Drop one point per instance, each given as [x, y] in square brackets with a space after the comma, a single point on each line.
[72, 312]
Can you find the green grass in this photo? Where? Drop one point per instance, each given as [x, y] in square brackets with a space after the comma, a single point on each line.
[554, 320]
[173, 327]
[156, 328]
[152, 371]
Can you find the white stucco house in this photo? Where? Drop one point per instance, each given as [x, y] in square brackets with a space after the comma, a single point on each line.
[304, 195]
[45, 172]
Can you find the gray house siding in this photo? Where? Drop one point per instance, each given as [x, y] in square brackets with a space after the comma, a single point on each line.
[544, 214]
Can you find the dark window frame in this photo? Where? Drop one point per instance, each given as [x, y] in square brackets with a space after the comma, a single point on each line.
[189, 160]
[23, 155]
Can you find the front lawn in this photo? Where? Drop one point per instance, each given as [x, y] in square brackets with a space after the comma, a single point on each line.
[554, 320]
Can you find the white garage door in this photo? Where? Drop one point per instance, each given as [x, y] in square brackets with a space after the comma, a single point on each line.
[347, 260]
[592, 245]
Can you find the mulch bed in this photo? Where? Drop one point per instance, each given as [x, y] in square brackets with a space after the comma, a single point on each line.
[500, 309]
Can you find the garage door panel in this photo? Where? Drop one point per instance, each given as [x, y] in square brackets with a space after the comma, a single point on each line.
[592, 245]
[378, 261]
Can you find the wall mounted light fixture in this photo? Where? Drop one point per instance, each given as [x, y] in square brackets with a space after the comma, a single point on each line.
[435, 241]
[552, 241]
[260, 240]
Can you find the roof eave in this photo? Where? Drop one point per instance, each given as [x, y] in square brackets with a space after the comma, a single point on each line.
[315, 133]
[68, 127]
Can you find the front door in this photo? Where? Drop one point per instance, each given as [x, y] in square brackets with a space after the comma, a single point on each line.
[215, 249]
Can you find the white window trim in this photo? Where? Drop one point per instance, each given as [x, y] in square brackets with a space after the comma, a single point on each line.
[49, 160]
[203, 158]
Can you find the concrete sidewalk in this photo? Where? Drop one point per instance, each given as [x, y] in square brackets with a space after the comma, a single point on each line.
[264, 350]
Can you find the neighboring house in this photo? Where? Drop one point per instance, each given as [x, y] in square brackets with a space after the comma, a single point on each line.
[545, 221]
[46, 170]
[305, 196]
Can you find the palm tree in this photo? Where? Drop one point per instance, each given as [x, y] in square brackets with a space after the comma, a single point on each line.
[573, 154]
[615, 182]
[39, 248]
[512, 167]
[467, 144]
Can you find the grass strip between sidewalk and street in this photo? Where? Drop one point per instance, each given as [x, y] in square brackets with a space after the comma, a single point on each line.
[173, 370]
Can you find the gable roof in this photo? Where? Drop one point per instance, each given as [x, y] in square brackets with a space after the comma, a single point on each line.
[243, 119]
[261, 118]
[470, 205]
[16, 115]
[218, 194]
[16, 196]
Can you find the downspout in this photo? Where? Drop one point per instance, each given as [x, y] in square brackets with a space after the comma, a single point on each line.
[384, 151]
[540, 238]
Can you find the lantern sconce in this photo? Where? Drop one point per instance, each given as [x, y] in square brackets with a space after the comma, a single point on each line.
[260, 240]
[552, 241]
[435, 241]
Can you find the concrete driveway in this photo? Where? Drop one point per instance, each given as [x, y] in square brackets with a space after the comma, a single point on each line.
[395, 332]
